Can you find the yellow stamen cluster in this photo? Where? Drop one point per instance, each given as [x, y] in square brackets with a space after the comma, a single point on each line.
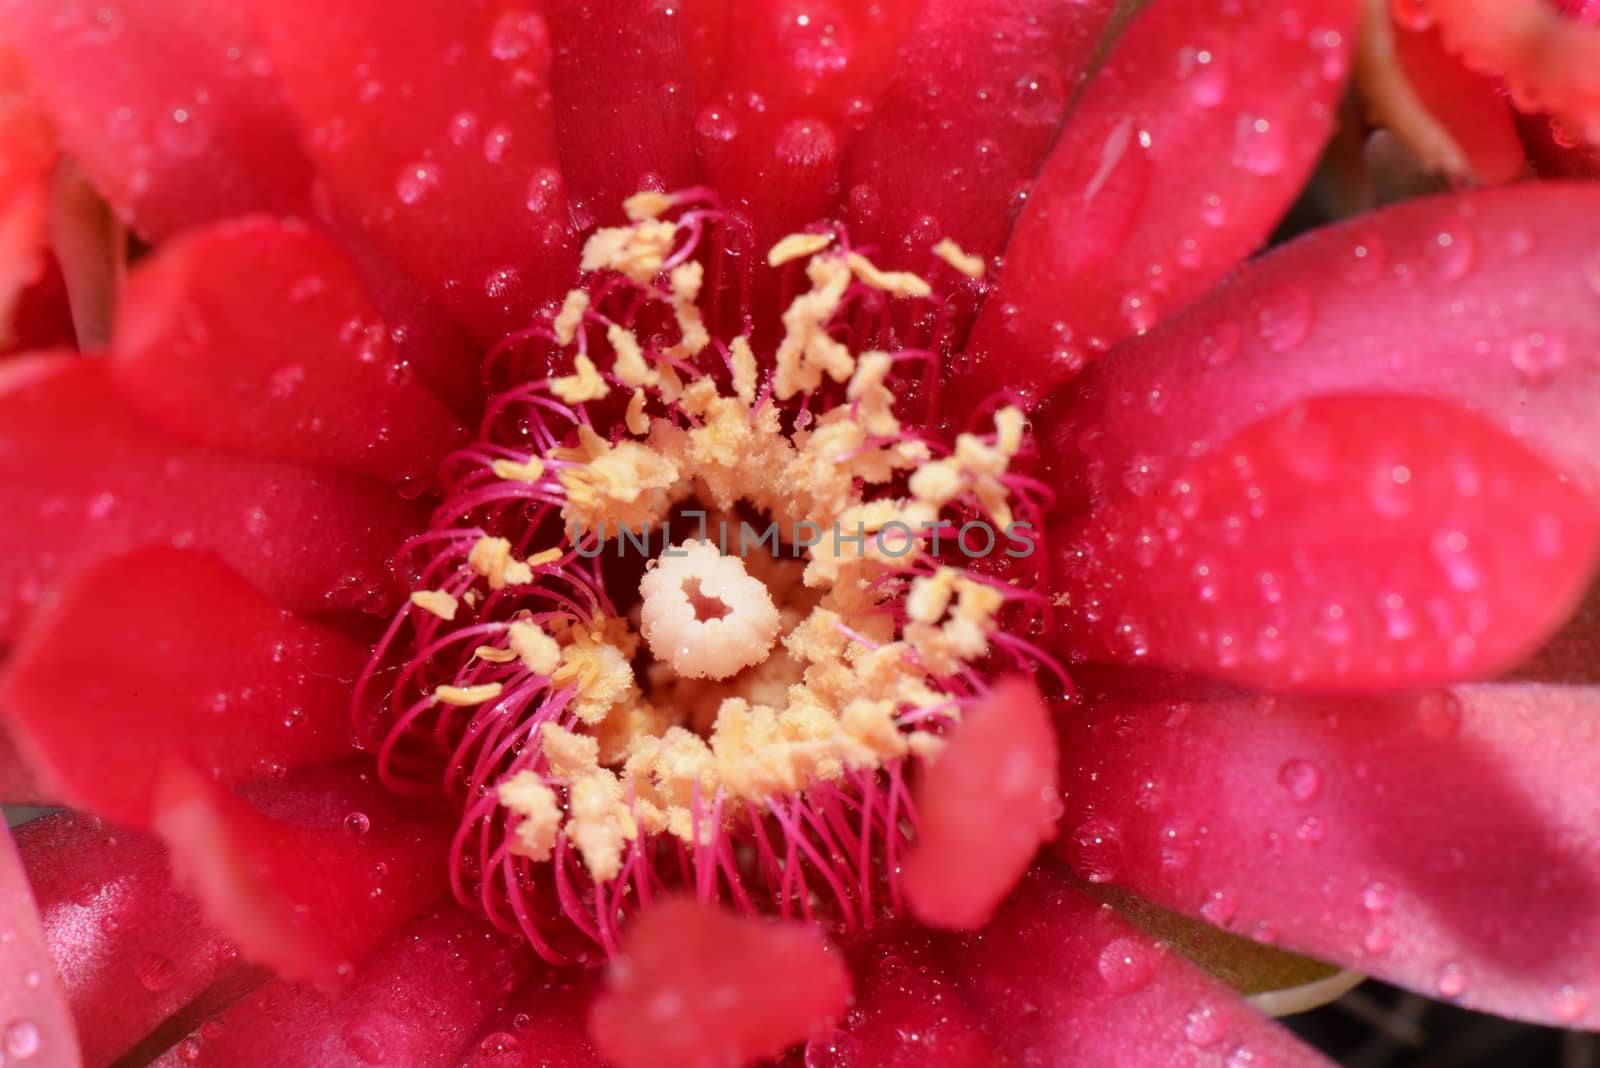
[806, 672]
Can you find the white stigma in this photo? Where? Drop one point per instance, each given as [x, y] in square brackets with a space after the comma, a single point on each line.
[703, 615]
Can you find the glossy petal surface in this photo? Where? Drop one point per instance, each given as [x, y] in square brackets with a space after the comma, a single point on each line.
[257, 337]
[1105, 993]
[1414, 838]
[977, 97]
[167, 105]
[308, 896]
[170, 653]
[32, 1001]
[1177, 161]
[1347, 543]
[84, 478]
[1490, 298]
[416, 1002]
[130, 951]
[432, 125]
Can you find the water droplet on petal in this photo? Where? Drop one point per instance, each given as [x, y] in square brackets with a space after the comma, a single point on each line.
[1095, 851]
[1126, 965]
[1203, 1027]
[357, 823]
[1377, 897]
[1569, 1004]
[21, 1039]
[1538, 356]
[1219, 908]
[1283, 318]
[1452, 980]
[1301, 779]
[415, 182]
[1452, 252]
[1260, 145]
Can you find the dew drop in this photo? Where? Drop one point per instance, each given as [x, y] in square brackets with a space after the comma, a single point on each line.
[416, 181]
[1452, 253]
[1203, 1027]
[1219, 908]
[1569, 1004]
[1377, 897]
[1366, 261]
[544, 190]
[1260, 145]
[1204, 75]
[1452, 981]
[357, 823]
[1301, 779]
[156, 973]
[1126, 965]
[22, 1039]
[1095, 851]
[1283, 318]
[1538, 356]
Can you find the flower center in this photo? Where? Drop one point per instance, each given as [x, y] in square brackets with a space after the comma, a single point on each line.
[685, 616]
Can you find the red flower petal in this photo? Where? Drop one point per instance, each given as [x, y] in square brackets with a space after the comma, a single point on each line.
[984, 807]
[782, 88]
[416, 1002]
[979, 90]
[304, 893]
[1471, 107]
[432, 123]
[83, 478]
[623, 99]
[1060, 979]
[256, 336]
[188, 660]
[1550, 61]
[1348, 543]
[1441, 841]
[907, 1013]
[131, 951]
[1490, 298]
[541, 1027]
[1231, 117]
[165, 106]
[32, 1002]
[699, 987]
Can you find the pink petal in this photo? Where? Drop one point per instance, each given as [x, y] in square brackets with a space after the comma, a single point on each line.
[908, 1012]
[131, 950]
[1347, 543]
[1062, 980]
[541, 1027]
[1183, 152]
[1491, 298]
[32, 1002]
[309, 897]
[1442, 841]
[698, 987]
[985, 805]
[624, 101]
[416, 1002]
[256, 336]
[433, 124]
[979, 90]
[165, 106]
[83, 478]
[190, 661]
[782, 88]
